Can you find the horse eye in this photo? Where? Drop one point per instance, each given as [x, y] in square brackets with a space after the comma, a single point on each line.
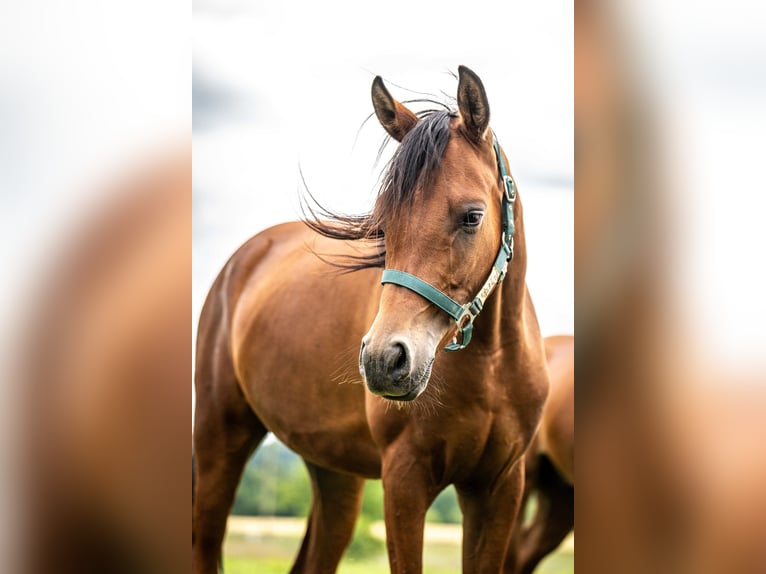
[472, 218]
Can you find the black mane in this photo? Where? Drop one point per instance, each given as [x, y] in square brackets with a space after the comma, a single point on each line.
[414, 165]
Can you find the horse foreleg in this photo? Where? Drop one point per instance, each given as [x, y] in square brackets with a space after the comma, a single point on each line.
[222, 445]
[408, 491]
[519, 529]
[488, 518]
[552, 522]
[335, 502]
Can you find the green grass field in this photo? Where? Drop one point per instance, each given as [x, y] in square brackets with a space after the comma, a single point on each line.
[558, 563]
[268, 553]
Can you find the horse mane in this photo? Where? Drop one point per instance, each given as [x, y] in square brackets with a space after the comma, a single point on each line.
[413, 165]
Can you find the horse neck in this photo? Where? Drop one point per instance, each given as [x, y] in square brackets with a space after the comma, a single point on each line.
[501, 322]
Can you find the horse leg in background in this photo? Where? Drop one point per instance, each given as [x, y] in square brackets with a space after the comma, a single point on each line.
[488, 516]
[335, 502]
[553, 520]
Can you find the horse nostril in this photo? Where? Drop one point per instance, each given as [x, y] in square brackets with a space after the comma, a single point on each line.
[398, 361]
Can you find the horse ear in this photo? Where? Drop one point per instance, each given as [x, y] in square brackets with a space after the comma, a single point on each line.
[393, 116]
[472, 103]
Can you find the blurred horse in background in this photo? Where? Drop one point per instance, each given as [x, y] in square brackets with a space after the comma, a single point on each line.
[549, 470]
[299, 337]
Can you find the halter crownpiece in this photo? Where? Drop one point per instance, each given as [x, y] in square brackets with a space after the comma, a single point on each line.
[464, 315]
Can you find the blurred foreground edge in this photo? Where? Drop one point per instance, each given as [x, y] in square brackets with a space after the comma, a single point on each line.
[670, 446]
[105, 442]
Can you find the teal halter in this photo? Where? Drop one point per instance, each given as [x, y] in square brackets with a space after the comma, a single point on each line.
[464, 315]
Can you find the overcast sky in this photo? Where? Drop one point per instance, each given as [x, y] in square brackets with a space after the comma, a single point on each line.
[282, 85]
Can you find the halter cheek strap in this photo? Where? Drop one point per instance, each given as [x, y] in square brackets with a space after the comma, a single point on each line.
[464, 315]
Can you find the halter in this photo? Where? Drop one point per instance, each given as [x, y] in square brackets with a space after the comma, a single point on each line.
[464, 315]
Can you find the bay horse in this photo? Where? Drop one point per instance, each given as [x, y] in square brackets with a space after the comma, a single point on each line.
[302, 335]
[549, 467]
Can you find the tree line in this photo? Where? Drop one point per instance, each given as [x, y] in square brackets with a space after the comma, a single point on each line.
[275, 483]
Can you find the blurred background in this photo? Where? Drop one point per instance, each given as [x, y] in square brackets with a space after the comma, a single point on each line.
[95, 217]
[670, 349]
[95, 119]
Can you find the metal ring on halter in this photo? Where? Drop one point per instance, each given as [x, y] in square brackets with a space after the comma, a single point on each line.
[464, 326]
[467, 314]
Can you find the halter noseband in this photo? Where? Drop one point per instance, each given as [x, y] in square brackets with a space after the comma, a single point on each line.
[464, 315]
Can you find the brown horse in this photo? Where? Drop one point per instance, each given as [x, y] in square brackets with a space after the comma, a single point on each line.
[549, 468]
[279, 341]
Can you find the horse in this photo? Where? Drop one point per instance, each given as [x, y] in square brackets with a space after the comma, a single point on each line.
[549, 467]
[303, 335]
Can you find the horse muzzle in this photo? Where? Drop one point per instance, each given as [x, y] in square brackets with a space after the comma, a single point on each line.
[389, 371]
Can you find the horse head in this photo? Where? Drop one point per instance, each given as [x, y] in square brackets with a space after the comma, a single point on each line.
[439, 211]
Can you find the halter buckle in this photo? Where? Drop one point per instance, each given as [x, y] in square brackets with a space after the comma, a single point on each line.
[510, 188]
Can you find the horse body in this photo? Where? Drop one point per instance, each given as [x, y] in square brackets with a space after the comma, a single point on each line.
[278, 349]
[557, 425]
[305, 393]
